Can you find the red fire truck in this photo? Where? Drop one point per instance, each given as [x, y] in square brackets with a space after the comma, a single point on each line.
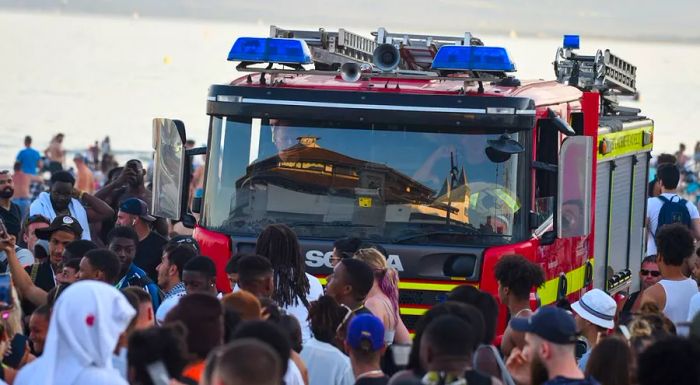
[427, 146]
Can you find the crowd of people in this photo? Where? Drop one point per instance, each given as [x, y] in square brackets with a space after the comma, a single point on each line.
[103, 292]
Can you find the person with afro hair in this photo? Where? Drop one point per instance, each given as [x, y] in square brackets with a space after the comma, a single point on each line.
[516, 277]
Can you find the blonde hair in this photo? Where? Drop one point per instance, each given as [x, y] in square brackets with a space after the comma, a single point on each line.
[387, 277]
[13, 323]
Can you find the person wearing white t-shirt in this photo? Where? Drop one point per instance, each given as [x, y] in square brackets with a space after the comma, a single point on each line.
[674, 292]
[294, 288]
[668, 177]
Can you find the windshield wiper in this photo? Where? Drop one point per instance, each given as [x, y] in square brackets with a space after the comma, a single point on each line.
[432, 234]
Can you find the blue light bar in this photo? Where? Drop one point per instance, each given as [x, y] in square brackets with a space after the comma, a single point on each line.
[572, 41]
[270, 50]
[472, 58]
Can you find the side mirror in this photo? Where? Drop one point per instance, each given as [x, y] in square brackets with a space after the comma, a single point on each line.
[169, 170]
[499, 150]
[561, 124]
[574, 193]
[548, 238]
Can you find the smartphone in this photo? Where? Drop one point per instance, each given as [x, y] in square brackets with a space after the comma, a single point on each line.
[3, 229]
[158, 373]
[5, 290]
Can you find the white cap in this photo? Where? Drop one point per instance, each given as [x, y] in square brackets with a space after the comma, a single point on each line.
[597, 307]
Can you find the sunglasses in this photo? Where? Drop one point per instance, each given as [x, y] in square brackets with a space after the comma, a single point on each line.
[653, 273]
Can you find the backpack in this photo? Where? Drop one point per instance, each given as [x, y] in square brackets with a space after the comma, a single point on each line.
[673, 212]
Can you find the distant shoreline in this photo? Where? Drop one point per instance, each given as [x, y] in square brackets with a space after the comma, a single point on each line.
[177, 14]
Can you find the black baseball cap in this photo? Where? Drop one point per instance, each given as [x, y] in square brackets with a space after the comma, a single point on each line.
[61, 223]
[550, 323]
[136, 206]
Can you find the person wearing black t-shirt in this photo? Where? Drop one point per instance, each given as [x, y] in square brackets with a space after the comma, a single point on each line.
[9, 212]
[133, 213]
[350, 283]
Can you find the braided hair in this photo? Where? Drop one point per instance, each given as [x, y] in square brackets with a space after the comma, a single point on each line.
[280, 245]
[325, 315]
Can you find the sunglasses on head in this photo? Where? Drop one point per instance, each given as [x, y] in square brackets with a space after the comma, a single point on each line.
[653, 273]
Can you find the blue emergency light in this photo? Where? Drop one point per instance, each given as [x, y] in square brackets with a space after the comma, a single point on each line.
[270, 50]
[572, 41]
[472, 58]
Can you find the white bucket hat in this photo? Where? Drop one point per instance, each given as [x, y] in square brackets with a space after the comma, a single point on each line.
[597, 308]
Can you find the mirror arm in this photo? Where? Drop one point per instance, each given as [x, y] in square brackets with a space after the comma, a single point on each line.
[196, 151]
[544, 166]
[186, 218]
[561, 124]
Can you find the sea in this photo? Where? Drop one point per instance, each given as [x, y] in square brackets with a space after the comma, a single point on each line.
[91, 76]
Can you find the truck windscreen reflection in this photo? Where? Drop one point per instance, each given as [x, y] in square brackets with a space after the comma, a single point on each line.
[388, 184]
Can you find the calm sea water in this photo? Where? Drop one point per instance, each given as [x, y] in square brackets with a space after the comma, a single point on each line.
[91, 76]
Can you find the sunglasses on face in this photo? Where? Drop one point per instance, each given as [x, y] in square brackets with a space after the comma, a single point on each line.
[653, 273]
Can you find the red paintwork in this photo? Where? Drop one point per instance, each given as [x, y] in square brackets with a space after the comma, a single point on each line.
[216, 246]
[560, 257]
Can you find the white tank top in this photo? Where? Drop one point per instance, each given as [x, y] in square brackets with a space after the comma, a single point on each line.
[678, 295]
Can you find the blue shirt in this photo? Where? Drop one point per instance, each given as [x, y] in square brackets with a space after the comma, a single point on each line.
[29, 158]
[570, 381]
[137, 277]
[177, 290]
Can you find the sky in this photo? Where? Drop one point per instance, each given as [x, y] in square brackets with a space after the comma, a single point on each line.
[670, 20]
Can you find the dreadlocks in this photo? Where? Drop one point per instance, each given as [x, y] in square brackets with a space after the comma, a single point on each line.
[280, 245]
[325, 315]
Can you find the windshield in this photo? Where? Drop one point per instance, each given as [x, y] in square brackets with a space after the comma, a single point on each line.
[329, 180]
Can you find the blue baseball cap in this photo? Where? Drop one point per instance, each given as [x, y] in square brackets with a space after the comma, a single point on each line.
[365, 327]
[136, 206]
[551, 323]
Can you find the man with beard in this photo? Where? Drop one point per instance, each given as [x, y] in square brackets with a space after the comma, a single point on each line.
[63, 199]
[36, 280]
[649, 275]
[549, 354]
[9, 212]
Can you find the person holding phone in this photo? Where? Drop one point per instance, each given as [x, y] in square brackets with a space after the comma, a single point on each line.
[34, 282]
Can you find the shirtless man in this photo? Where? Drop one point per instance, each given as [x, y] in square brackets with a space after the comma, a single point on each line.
[55, 153]
[22, 181]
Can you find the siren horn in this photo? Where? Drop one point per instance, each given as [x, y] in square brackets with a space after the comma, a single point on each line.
[350, 72]
[386, 57]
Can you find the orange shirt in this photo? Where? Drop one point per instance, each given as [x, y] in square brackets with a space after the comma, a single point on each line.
[194, 371]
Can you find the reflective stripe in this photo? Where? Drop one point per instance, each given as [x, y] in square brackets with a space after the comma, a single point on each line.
[616, 144]
[413, 285]
[412, 311]
[507, 199]
[574, 278]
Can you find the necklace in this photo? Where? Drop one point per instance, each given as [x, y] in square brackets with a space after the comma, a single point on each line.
[371, 373]
[520, 312]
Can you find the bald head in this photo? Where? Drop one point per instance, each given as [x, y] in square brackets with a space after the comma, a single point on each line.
[248, 361]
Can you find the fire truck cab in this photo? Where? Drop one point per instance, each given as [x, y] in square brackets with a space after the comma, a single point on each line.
[427, 146]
